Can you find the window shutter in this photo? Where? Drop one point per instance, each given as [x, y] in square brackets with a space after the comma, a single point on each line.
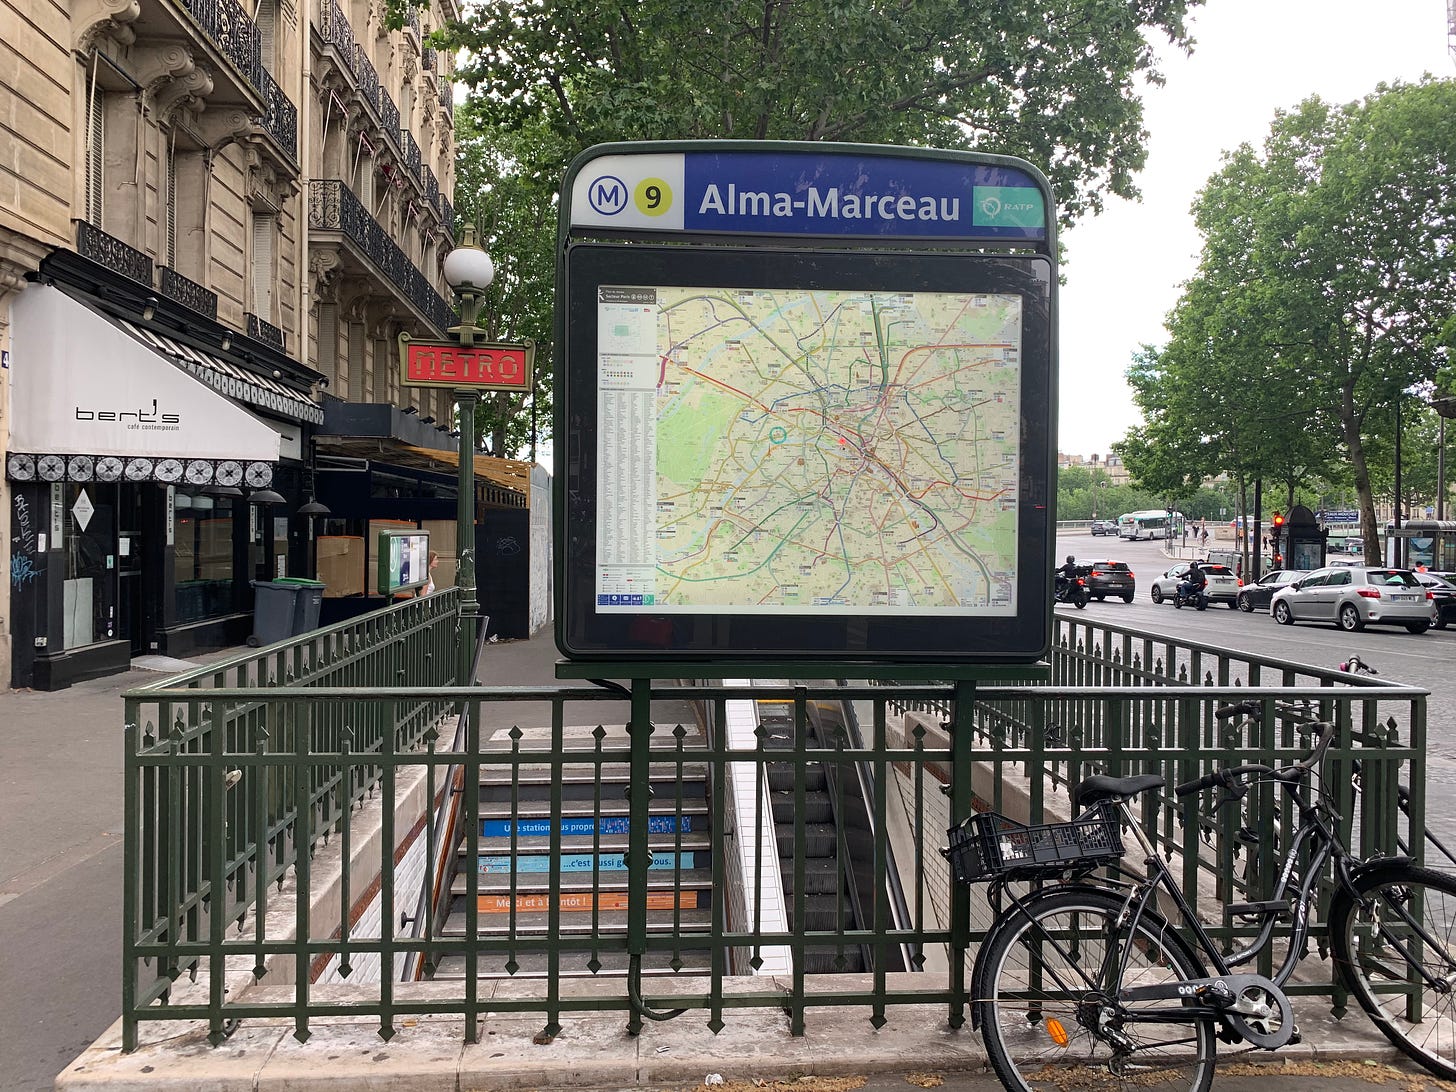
[267, 20]
[328, 343]
[169, 245]
[263, 277]
[95, 152]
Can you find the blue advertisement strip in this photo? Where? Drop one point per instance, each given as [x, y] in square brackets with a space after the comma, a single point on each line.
[611, 824]
[584, 862]
[731, 192]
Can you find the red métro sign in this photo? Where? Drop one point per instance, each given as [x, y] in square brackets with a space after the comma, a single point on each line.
[490, 366]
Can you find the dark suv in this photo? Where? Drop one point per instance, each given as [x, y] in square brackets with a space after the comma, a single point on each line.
[1106, 578]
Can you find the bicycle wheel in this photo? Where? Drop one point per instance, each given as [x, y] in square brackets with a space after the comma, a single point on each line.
[1392, 942]
[1042, 991]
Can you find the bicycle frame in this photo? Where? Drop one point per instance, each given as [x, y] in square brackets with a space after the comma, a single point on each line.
[1314, 830]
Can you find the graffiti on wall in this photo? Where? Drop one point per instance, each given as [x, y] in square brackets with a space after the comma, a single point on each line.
[23, 569]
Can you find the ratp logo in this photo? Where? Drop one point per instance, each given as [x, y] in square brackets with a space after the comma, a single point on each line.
[607, 195]
[991, 207]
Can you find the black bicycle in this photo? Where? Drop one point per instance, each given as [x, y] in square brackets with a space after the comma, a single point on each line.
[1088, 975]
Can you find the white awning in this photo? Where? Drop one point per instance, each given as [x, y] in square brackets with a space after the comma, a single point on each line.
[81, 386]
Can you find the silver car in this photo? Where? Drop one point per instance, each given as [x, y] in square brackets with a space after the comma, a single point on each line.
[1222, 587]
[1355, 597]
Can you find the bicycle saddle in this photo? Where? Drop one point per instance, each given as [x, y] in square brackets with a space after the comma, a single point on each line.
[1099, 787]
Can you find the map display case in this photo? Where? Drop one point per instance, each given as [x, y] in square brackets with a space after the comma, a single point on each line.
[831, 445]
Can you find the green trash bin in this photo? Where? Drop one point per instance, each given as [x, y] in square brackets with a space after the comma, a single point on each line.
[274, 607]
[306, 603]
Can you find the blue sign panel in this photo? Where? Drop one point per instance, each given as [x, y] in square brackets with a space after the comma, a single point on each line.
[585, 862]
[579, 827]
[843, 193]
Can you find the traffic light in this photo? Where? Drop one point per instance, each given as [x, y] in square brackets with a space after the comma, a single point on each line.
[1278, 522]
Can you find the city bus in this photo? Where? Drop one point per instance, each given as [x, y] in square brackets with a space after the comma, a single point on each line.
[1152, 523]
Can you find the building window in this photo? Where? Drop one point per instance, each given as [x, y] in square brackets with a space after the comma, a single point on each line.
[265, 273]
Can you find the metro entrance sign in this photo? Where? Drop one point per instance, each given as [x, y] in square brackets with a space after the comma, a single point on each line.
[488, 366]
[804, 404]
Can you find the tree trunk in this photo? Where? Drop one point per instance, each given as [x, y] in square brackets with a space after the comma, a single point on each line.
[1350, 426]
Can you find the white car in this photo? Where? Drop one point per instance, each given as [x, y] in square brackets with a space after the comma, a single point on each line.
[1223, 586]
[1353, 598]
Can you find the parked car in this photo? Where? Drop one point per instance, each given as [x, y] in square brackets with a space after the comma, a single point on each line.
[1223, 585]
[1354, 598]
[1106, 578]
[1256, 596]
[1442, 587]
[1104, 527]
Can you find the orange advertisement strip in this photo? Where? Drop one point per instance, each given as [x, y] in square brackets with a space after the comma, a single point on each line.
[585, 900]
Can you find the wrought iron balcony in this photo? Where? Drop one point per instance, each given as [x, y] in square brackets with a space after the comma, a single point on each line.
[366, 75]
[332, 206]
[447, 99]
[109, 251]
[432, 186]
[411, 153]
[427, 59]
[266, 332]
[336, 31]
[188, 293]
[389, 115]
[280, 118]
[447, 216]
[228, 25]
[412, 20]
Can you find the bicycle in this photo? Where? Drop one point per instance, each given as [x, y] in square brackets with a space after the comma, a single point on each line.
[1088, 974]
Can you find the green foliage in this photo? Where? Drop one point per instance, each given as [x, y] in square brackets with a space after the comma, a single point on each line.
[1326, 286]
[1053, 82]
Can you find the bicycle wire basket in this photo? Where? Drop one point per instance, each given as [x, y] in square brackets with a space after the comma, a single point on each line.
[988, 846]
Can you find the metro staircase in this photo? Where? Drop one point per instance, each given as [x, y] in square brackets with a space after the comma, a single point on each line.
[517, 877]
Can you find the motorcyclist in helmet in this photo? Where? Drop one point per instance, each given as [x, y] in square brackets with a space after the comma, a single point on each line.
[1194, 583]
[1066, 573]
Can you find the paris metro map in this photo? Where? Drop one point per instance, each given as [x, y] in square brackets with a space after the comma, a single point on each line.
[807, 450]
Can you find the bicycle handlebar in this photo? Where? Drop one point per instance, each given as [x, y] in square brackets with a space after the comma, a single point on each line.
[1228, 777]
[1251, 707]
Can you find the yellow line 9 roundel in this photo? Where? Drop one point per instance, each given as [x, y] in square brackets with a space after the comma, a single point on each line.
[652, 197]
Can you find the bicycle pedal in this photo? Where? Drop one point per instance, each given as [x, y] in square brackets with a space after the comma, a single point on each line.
[1256, 909]
[1295, 1037]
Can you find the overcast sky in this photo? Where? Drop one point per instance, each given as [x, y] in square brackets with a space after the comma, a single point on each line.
[1253, 57]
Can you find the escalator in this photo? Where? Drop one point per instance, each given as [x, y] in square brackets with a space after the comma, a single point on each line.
[831, 818]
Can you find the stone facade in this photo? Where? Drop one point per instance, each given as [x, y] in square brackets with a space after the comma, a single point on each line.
[280, 170]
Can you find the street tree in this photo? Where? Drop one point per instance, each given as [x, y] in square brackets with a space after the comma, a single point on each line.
[1327, 279]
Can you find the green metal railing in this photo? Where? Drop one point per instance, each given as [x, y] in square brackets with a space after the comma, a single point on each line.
[229, 789]
[230, 772]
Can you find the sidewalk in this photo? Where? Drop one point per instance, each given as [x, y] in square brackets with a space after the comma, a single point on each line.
[840, 1049]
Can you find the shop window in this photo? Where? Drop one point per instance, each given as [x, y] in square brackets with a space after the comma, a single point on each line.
[206, 579]
[89, 588]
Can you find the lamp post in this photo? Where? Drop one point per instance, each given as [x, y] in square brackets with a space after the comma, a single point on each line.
[468, 271]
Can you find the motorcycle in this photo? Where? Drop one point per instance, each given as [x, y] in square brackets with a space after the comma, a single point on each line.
[1074, 591]
[1197, 598]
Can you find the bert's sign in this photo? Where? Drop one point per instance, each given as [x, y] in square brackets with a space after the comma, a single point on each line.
[489, 366]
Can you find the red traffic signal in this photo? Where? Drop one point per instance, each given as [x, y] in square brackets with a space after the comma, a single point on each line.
[1278, 520]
